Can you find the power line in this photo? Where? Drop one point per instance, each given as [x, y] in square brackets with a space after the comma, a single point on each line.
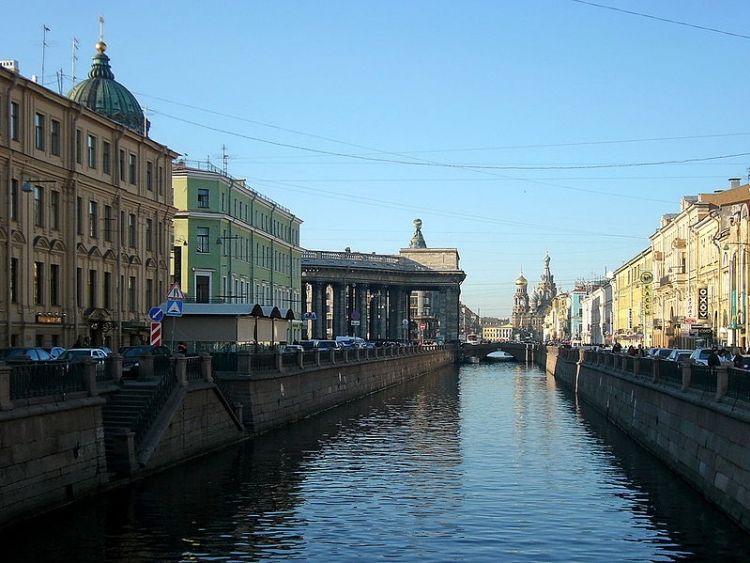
[666, 20]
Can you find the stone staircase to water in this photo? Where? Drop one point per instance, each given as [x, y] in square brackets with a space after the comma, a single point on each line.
[122, 410]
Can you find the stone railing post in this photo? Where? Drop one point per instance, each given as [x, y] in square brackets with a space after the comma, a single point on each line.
[244, 362]
[89, 376]
[180, 370]
[115, 368]
[317, 356]
[300, 358]
[146, 366]
[5, 403]
[687, 371]
[722, 382]
[636, 365]
[277, 360]
[655, 370]
[206, 367]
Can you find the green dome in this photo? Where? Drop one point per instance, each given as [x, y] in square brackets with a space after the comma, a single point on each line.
[104, 95]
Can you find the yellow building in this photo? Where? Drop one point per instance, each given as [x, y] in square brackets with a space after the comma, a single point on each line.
[85, 222]
[633, 301]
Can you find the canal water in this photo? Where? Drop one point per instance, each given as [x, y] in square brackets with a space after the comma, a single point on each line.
[485, 463]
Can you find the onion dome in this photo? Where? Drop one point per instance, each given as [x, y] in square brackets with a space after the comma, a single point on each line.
[521, 280]
[104, 95]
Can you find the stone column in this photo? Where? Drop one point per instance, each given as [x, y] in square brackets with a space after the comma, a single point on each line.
[339, 309]
[318, 302]
[448, 312]
[363, 309]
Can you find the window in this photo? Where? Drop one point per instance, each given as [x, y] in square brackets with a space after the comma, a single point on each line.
[131, 293]
[54, 137]
[108, 224]
[202, 284]
[149, 292]
[131, 230]
[54, 210]
[107, 304]
[203, 241]
[93, 219]
[92, 288]
[13, 281]
[38, 206]
[14, 125]
[160, 180]
[122, 227]
[149, 234]
[106, 158]
[91, 150]
[203, 201]
[150, 176]
[54, 284]
[39, 283]
[39, 132]
[14, 199]
[79, 148]
[122, 165]
[132, 168]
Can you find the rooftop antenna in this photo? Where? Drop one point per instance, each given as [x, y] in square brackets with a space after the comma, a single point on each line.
[74, 58]
[225, 159]
[45, 29]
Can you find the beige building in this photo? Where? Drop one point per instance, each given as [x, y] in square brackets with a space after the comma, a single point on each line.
[700, 258]
[85, 222]
[633, 301]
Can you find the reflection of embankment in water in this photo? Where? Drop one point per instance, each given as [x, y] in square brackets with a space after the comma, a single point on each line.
[671, 503]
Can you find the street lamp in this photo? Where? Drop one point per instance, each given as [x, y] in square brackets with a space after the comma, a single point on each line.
[220, 241]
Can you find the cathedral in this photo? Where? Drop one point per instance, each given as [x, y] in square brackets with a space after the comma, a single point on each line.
[528, 313]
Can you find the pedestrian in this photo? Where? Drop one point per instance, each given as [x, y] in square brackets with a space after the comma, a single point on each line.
[617, 347]
[737, 360]
[713, 359]
[182, 348]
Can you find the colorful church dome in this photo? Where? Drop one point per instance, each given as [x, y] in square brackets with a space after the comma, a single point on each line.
[104, 95]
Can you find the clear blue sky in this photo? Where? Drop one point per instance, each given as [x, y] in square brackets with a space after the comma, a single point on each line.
[510, 128]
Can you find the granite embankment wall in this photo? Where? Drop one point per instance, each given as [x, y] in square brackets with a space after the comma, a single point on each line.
[273, 399]
[699, 431]
[52, 446]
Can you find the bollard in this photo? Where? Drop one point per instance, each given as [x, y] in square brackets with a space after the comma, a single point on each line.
[5, 403]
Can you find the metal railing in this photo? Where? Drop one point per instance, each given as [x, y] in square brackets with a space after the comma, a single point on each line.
[43, 379]
[157, 400]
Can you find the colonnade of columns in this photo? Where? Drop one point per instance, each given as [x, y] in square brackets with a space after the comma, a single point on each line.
[372, 312]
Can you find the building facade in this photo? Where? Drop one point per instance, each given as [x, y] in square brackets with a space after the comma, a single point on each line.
[85, 222]
[233, 245]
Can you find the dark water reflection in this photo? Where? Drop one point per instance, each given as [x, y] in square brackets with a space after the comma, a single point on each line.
[494, 463]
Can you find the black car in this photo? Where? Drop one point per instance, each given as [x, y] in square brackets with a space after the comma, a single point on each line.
[131, 357]
[21, 354]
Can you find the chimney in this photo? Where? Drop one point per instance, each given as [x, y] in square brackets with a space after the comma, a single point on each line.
[734, 183]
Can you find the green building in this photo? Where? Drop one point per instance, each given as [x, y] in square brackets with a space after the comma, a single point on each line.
[233, 245]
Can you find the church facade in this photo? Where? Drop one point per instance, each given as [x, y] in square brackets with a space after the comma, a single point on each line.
[529, 310]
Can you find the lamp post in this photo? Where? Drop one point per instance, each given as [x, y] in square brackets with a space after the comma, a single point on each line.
[220, 241]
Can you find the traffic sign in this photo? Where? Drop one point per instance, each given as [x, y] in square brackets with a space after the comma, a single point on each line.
[175, 293]
[310, 316]
[156, 314]
[156, 334]
[174, 308]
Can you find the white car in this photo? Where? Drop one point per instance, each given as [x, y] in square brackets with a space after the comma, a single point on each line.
[700, 355]
[678, 355]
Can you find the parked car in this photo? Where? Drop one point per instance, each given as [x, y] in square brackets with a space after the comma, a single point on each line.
[678, 355]
[290, 348]
[327, 345]
[73, 355]
[22, 354]
[700, 355]
[55, 351]
[657, 353]
[131, 357]
[80, 353]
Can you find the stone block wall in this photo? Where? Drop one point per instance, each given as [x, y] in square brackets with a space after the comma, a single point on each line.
[704, 441]
[273, 400]
[51, 454]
